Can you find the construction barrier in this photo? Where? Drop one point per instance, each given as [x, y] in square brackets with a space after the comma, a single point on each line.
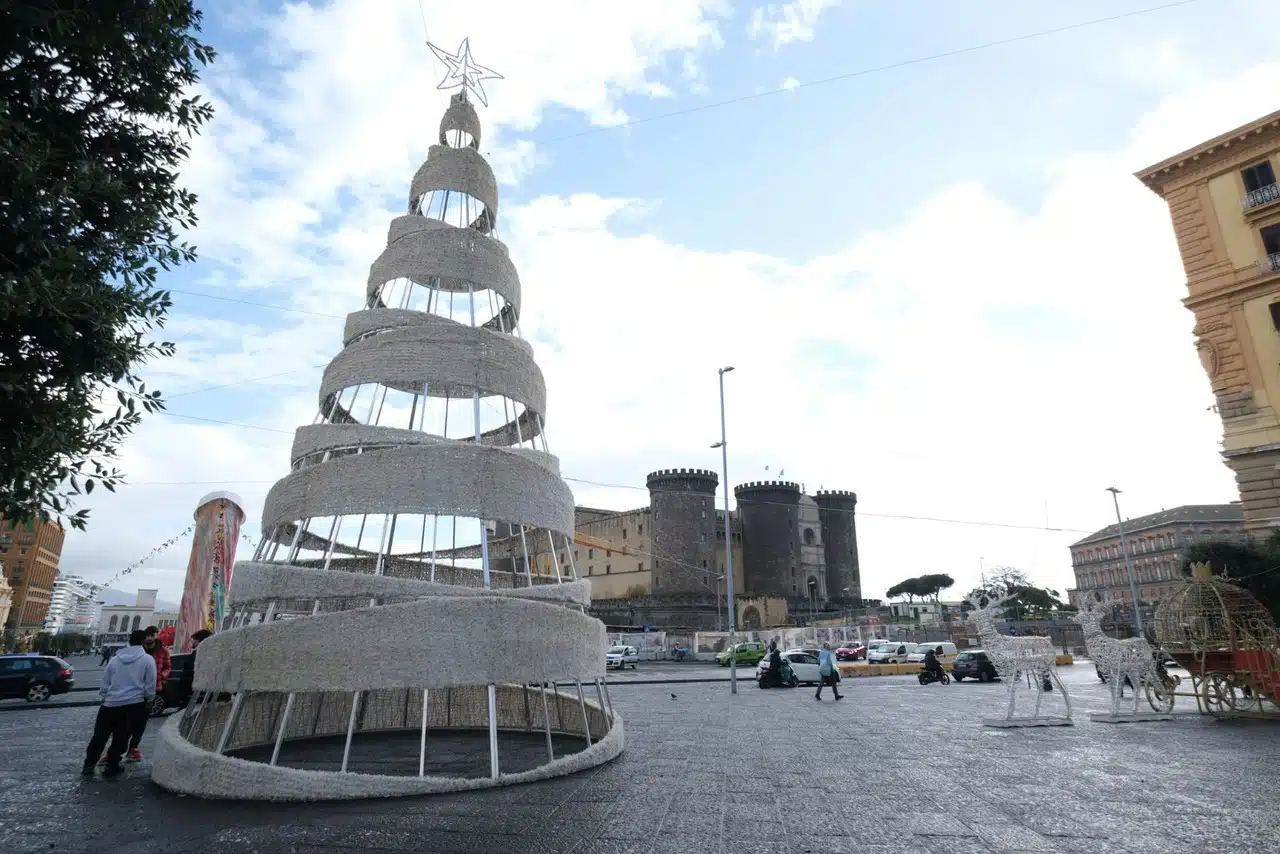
[909, 669]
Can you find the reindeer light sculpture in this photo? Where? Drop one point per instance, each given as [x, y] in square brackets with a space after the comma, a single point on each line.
[1132, 660]
[1015, 656]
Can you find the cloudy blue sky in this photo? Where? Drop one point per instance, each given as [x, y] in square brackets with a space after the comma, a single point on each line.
[939, 281]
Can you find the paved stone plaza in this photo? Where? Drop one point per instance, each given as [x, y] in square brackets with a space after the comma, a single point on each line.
[894, 767]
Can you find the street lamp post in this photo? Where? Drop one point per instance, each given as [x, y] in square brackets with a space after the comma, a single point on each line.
[1128, 567]
[723, 445]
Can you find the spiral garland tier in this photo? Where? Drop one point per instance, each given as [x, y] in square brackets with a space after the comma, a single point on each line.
[412, 621]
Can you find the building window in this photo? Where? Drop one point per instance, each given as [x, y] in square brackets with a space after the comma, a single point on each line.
[591, 553]
[1271, 240]
[607, 569]
[575, 554]
[640, 566]
[808, 536]
[624, 533]
[608, 553]
[639, 529]
[25, 540]
[111, 626]
[704, 564]
[1259, 176]
[137, 621]
[589, 569]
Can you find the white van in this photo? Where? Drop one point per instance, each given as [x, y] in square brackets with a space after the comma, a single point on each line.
[889, 652]
[946, 651]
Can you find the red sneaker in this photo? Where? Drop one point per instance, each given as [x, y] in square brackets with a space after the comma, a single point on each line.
[103, 760]
[135, 755]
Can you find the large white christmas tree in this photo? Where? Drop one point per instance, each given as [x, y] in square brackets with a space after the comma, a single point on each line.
[412, 621]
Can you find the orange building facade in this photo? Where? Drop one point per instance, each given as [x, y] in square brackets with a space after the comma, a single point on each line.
[1225, 204]
[29, 555]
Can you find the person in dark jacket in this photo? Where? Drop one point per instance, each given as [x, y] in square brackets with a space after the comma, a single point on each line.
[775, 665]
[189, 675]
[931, 663]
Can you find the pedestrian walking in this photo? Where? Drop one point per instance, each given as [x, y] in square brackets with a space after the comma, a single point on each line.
[106, 656]
[827, 672]
[128, 685]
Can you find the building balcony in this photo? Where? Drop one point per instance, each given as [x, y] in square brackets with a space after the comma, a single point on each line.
[1260, 198]
[1270, 264]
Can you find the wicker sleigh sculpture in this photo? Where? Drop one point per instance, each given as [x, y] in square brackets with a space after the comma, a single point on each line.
[1227, 641]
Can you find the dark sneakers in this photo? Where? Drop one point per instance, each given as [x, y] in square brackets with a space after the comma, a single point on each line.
[113, 769]
[87, 770]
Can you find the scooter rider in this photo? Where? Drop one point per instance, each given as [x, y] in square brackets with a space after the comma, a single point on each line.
[931, 663]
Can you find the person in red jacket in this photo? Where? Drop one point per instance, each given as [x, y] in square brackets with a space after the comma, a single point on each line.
[164, 666]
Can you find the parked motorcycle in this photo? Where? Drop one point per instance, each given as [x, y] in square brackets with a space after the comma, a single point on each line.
[927, 676]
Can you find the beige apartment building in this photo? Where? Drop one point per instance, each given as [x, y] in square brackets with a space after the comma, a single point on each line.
[29, 555]
[1225, 205]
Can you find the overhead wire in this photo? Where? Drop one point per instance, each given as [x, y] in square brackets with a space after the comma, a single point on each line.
[863, 72]
[898, 516]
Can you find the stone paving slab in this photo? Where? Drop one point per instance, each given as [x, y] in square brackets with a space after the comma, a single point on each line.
[895, 767]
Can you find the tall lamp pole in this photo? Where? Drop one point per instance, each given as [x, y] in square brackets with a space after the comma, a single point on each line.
[723, 445]
[1128, 567]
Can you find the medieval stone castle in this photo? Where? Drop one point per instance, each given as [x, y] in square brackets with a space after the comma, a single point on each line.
[664, 565]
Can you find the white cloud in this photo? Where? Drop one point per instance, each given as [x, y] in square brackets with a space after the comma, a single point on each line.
[789, 84]
[784, 23]
[969, 361]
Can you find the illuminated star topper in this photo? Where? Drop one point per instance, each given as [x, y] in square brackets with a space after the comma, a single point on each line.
[464, 71]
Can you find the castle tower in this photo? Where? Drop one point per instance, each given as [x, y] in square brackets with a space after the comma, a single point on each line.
[393, 605]
[682, 519]
[840, 544]
[771, 556]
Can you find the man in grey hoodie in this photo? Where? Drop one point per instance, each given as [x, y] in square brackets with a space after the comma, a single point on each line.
[128, 685]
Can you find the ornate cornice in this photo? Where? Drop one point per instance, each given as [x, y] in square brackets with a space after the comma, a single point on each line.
[1237, 145]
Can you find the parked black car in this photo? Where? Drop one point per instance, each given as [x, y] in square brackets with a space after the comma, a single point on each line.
[176, 691]
[973, 664]
[35, 677]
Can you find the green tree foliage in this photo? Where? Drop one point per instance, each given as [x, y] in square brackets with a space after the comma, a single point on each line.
[1028, 601]
[923, 586]
[934, 584]
[95, 119]
[909, 588]
[1253, 565]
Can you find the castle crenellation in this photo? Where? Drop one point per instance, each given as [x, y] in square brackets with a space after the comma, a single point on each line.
[669, 558]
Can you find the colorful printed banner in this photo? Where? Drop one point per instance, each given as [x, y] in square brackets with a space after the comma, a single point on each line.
[213, 555]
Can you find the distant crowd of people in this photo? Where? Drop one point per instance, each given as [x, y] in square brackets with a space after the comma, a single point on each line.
[133, 678]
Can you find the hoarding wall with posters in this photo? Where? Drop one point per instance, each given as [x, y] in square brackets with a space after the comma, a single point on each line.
[213, 554]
